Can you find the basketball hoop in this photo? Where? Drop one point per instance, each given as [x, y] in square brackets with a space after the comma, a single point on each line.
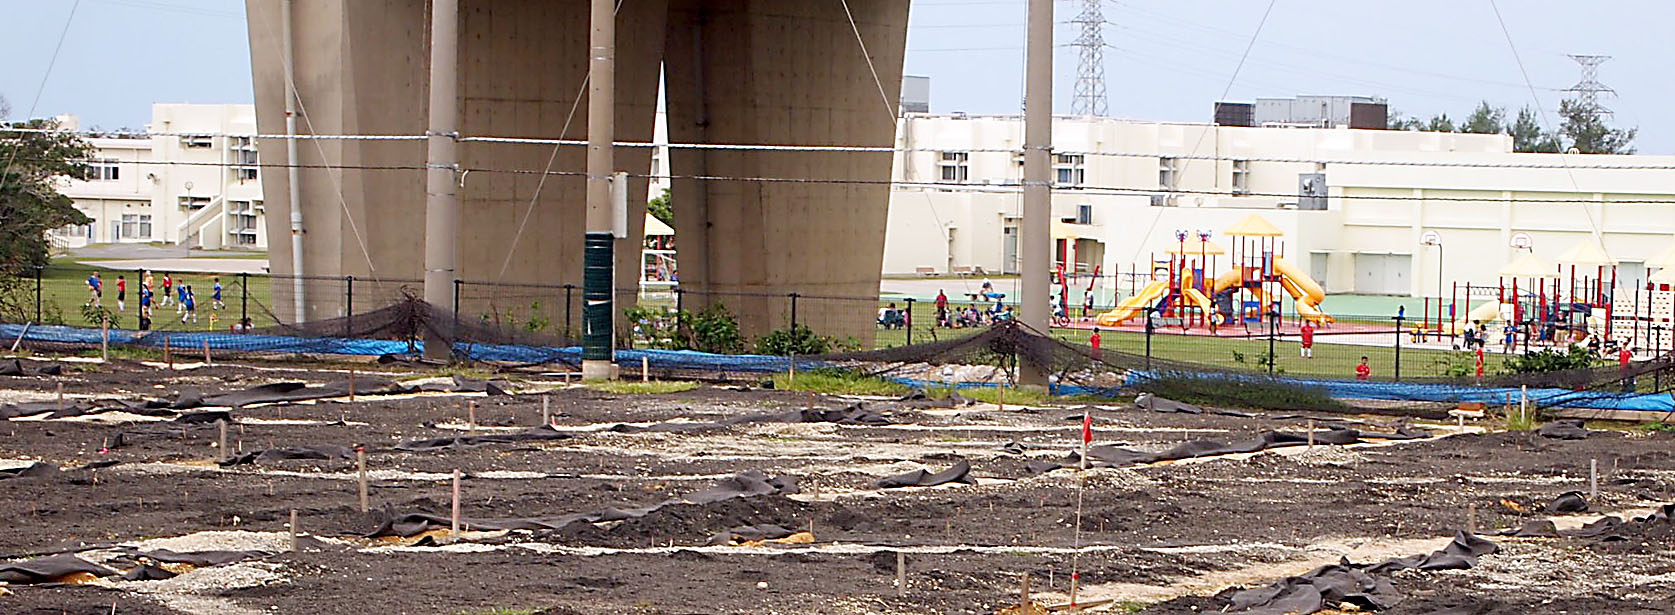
[1522, 241]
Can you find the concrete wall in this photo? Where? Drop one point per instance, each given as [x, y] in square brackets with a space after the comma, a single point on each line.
[738, 71]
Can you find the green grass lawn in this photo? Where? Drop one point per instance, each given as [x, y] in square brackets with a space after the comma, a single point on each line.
[64, 291]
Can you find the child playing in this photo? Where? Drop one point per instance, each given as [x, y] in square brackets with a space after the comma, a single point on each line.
[188, 302]
[181, 290]
[1308, 339]
[95, 288]
[168, 289]
[121, 293]
[1363, 371]
[217, 305]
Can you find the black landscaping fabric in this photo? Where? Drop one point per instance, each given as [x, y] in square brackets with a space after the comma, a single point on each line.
[853, 414]
[1564, 429]
[743, 485]
[272, 393]
[1568, 502]
[50, 569]
[201, 559]
[33, 470]
[1148, 401]
[1609, 528]
[319, 452]
[1113, 456]
[749, 533]
[537, 434]
[1366, 588]
[19, 367]
[959, 473]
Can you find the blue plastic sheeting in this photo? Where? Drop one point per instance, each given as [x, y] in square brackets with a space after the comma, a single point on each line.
[189, 341]
[1444, 393]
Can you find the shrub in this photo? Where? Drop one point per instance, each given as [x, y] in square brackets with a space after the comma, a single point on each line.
[799, 339]
[1551, 360]
[715, 330]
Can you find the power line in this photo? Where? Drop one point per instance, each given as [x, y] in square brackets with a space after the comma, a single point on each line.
[999, 188]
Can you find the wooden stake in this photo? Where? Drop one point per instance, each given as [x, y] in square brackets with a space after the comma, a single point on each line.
[360, 466]
[791, 376]
[1593, 481]
[471, 417]
[645, 369]
[455, 524]
[1311, 434]
[222, 443]
[1023, 596]
[168, 350]
[1471, 517]
[105, 340]
[351, 384]
[901, 575]
[60, 397]
[546, 414]
[294, 531]
[206, 353]
[1000, 404]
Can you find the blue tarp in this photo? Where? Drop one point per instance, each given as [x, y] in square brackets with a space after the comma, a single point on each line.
[1445, 393]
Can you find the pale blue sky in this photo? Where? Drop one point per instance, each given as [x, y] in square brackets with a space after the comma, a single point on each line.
[1167, 60]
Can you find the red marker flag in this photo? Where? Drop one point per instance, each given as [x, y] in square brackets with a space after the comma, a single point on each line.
[1087, 428]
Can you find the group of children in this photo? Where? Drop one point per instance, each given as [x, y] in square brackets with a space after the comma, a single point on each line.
[180, 295]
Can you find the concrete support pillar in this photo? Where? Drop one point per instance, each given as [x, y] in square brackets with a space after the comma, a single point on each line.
[598, 279]
[441, 237]
[1035, 228]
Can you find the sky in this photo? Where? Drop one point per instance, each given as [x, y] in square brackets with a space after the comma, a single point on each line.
[1165, 60]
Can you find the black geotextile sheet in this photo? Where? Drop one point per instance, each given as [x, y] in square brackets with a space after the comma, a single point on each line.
[958, 473]
[318, 452]
[749, 533]
[33, 470]
[536, 434]
[1564, 429]
[1114, 456]
[271, 393]
[1148, 401]
[19, 367]
[50, 569]
[853, 414]
[743, 485]
[1364, 587]
[1610, 528]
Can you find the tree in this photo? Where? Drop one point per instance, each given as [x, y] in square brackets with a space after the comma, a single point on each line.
[662, 208]
[1584, 128]
[1440, 123]
[1527, 135]
[1397, 121]
[31, 164]
[1485, 120]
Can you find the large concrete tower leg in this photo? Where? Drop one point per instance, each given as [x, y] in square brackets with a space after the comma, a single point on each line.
[788, 73]
[362, 69]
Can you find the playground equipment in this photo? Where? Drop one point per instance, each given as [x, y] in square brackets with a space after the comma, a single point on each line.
[1185, 289]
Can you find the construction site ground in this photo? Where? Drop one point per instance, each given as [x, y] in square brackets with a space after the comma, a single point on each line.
[1160, 538]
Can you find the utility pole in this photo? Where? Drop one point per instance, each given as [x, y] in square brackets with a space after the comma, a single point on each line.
[1090, 71]
[1038, 169]
[442, 168]
[599, 258]
[293, 176]
[1589, 88]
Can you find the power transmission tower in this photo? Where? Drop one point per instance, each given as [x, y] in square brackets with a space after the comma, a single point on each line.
[1090, 72]
[1589, 88]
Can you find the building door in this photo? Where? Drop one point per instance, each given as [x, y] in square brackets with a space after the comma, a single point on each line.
[1317, 268]
[1009, 251]
[1383, 274]
[116, 231]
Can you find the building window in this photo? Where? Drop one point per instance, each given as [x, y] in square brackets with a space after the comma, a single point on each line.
[956, 166]
[1167, 178]
[245, 161]
[194, 202]
[136, 226]
[1241, 177]
[1084, 213]
[105, 170]
[197, 142]
[1067, 168]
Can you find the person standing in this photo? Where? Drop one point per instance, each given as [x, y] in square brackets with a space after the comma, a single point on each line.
[94, 288]
[168, 289]
[121, 293]
[1093, 341]
[217, 305]
[1308, 339]
[145, 302]
[181, 290]
[941, 308]
[1363, 371]
[190, 304]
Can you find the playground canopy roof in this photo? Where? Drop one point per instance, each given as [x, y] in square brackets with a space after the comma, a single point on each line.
[1667, 276]
[1527, 266]
[1194, 246]
[1254, 226]
[1586, 253]
[656, 227]
[1664, 259]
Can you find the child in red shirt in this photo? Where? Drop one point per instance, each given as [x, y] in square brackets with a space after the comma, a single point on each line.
[1363, 371]
[1308, 339]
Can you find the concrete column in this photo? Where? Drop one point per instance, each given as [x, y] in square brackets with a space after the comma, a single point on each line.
[1035, 228]
[599, 279]
[441, 237]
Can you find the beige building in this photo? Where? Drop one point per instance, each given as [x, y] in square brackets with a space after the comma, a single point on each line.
[1355, 204]
[194, 180]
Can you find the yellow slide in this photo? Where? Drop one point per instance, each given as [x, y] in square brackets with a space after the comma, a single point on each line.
[1135, 305]
[1304, 290]
[1486, 312]
[1203, 303]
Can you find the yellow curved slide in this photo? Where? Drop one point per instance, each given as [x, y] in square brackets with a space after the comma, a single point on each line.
[1135, 305]
[1486, 312]
[1304, 290]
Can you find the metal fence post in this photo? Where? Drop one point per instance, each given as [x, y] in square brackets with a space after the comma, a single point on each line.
[453, 335]
[680, 310]
[910, 321]
[1398, 371]
[568, 289]
[38, 271]
[1149, 327]
[243, 299]
[793, 297]
[1273, 328]
[348, 306]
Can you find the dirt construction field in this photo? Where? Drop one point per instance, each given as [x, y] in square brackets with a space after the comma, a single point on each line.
[634, 503]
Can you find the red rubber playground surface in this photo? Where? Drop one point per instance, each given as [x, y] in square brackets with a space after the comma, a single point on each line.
[1289, 327]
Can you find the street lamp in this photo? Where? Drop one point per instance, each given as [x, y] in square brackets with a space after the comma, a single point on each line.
[1433, 238]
